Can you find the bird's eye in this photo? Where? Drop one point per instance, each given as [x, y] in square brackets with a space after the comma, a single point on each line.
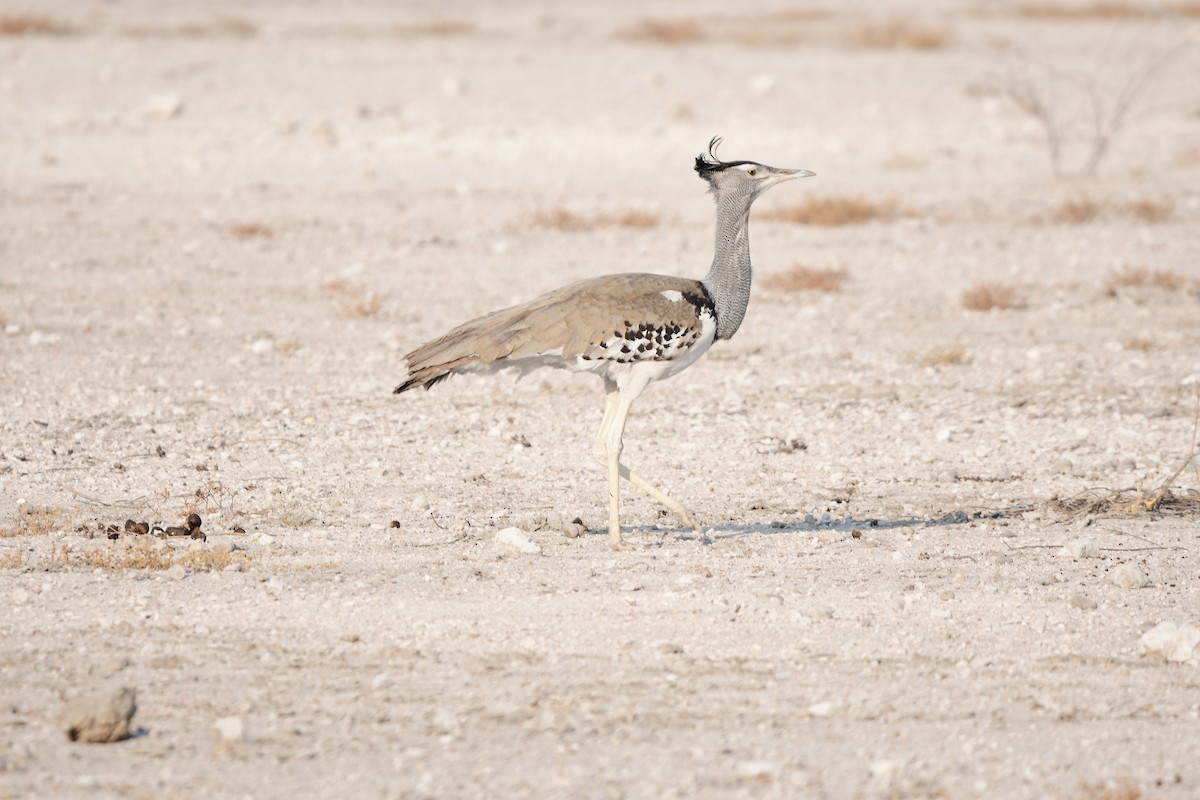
[752, 173]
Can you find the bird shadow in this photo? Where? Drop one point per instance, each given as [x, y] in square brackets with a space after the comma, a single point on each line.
[811, 524]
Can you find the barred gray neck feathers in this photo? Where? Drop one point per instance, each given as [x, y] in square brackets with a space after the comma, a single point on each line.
[728, 281]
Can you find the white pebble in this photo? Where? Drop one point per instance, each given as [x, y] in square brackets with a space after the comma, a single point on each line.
[1084, 547]
[418, 505]
[758, 770]
[1128, 576]
[762, 84]
[263, 345]
[515, 540]
[230, 728]
[821, 709]
[1170, 641]
[163, 106]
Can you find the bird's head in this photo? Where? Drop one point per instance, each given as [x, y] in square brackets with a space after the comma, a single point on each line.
[748, 179]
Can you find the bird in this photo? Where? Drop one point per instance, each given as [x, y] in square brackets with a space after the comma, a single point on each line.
[630, 329]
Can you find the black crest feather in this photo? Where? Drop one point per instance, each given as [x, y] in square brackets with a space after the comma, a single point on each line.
[710, 162]
[707, 164]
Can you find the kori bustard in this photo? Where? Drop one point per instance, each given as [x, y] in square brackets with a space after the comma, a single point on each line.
[629, 329]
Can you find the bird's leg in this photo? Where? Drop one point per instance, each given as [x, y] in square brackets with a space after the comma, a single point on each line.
[607, 450]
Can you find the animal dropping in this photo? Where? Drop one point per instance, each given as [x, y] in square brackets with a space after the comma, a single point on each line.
[629, 329]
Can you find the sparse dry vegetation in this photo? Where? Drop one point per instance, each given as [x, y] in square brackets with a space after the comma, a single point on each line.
[946, 357]
[1082, 209]
[785, 28]
[1166, 498]
[436, 27]
[1150, 209]
[834, 210]
[1106, 10]
[1134, 276]
[217, 26]
[354, 299]
[807, 279]
[564, 219]
[1081, 112]
[988, 296]
[146, 553]
[1075, 211]
[899, 33]
[747, 30]
[35, 521]
[33, 24]
[250, 230]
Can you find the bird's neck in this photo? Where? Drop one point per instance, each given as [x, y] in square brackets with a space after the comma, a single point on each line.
[728, 282]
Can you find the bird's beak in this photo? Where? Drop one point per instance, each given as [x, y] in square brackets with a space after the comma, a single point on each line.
[789, 174]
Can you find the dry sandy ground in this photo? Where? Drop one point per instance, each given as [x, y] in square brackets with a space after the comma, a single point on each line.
[222, 227]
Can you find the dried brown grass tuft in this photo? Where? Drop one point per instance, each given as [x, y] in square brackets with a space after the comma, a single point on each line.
[1150, 209]
[35, 521]
[1164, 499]
[251, 230]
[564, 219]
[947, 357]
[1140, 344]
[807, 279]
[988, 296]
[746, 30]
[217, 27]
[354, 299]
[436, 27]
[32, 24]
[899, 33]
[146, 554]
[664, 31]
[1130, 276]
[1076, 211]
[13, 559]
[1106, 9]
[834, 210]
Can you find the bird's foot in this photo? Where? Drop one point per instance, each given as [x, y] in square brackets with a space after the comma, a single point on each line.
[616, 542]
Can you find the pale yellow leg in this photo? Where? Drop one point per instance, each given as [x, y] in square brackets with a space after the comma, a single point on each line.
[607, 450]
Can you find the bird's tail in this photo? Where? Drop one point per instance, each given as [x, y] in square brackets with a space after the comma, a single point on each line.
[474, 345]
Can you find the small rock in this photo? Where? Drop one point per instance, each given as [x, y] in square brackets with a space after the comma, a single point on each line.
[758, 770]
[1083, 602]
[231, 729]
[821, 709]
[163, 106]
[100, 718]
[1084, 547]
[418, 505]
[177, 572]
[265, 539]
[445, 721]
[515, 540]
[884, 773]
[1128, 576]
[394, 523]
[1172, 642]
[19, 597]
[947, 476]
